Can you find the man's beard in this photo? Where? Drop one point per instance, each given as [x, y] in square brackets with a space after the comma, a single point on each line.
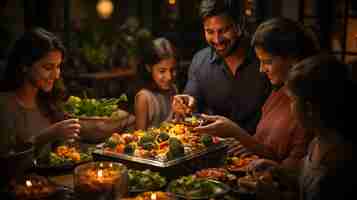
[230, 50]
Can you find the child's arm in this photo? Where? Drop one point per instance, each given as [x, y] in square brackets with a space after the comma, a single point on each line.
[141, 112]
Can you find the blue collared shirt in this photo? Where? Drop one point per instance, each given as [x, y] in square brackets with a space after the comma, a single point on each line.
[219, 92]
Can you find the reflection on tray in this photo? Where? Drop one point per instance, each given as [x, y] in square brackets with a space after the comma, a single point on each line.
[158, 163]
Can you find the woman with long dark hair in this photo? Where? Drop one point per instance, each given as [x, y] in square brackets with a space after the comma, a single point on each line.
[30, 94]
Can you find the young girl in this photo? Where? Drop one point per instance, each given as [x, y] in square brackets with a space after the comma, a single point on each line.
[153, 101]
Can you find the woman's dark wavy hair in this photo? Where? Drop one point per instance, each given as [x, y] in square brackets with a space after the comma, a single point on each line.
[324, 81]
[29, 48]
[285, 37]
[152, 52]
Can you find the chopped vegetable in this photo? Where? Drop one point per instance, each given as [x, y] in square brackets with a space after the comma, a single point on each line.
[207, 140]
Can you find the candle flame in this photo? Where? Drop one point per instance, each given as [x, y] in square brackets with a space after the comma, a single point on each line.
[101, 165]
[153, 196]
[110, 165]
[100, 173]
[28, 183]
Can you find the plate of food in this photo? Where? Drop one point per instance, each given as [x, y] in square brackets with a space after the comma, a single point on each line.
[147, 180]
[62, 157]
[193, 120]
[238, 165]
[218, 174]
[192, 187]
[153, 195]
[34, 187]
[251, 182]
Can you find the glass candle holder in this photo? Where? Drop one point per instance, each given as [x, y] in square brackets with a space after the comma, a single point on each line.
[101, 180]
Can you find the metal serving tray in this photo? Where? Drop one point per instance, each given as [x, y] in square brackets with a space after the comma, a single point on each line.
[211, 156]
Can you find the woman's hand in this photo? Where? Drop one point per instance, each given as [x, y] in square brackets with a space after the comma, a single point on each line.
[239, 151]
[183, 105]
[262, 165]
[69, 128]
[220, 126]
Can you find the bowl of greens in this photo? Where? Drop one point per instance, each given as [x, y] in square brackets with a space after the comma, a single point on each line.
[99, 118]
[191, 187]
[146, 180]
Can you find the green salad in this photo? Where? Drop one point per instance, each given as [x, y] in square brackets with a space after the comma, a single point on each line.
[145, 180]
[197, 188]
[56, 160]
[88, 107]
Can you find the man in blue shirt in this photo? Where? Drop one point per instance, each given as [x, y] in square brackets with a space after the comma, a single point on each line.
[224, 78]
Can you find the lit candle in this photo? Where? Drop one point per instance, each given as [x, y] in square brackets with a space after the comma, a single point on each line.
[28, 183]
[98, 179]
[100, 175]
[153, 196]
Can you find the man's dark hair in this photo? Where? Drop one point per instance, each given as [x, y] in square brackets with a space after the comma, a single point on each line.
[231, 8]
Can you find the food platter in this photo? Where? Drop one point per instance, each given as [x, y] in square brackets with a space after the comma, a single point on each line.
[165, 148]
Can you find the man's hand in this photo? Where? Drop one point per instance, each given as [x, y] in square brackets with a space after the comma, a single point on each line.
[183, 105]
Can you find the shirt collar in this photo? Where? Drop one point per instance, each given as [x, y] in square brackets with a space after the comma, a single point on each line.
[244, 42]
[214, 57]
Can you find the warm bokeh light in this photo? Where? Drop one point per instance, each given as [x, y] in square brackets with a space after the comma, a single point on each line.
[248, 12]
[105, 8]
[172, 2]
[28, 183]
[100, 173]
[153, 196]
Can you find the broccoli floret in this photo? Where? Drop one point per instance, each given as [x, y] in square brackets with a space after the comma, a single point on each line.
[207, 140]
[110, 143]
[163, 137]
[148, 145]
[129, 149]
[174, 141]
[176, 149]
[147, 138]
